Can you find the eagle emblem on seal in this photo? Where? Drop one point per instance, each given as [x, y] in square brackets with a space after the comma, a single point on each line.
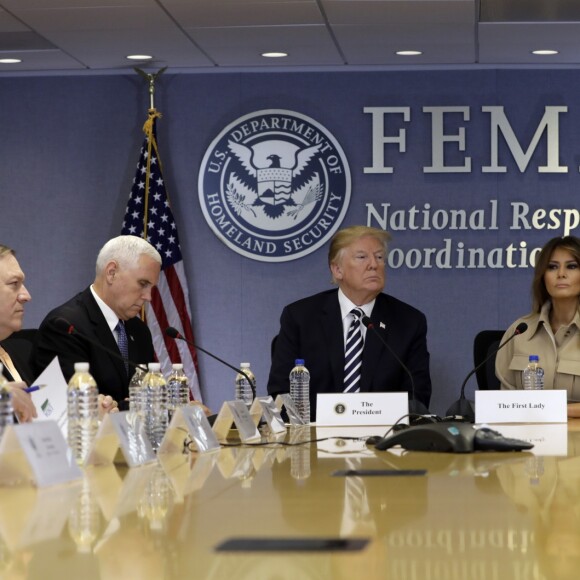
[281, 179]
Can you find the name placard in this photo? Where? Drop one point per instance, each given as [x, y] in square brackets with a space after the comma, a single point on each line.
[361, 408]
[266, 408]
[189, 420]
[521, 406]
[124, 430]
[235, 412]
[285, 401]
[38, 452]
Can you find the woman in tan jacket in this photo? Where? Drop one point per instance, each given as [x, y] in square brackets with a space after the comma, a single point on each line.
[553, 326]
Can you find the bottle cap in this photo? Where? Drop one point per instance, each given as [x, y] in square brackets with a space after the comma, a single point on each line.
[244, 365]
[154, 367]
[534, 358]
[299, 362]
[177, 366]
[81, 367]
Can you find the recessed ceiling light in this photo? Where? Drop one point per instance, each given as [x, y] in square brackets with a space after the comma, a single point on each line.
[139, 57]
[10, 60]
[545, 52]
[409, 52]
[274, 54]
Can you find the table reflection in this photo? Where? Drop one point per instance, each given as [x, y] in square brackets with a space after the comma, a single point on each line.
[548, 489]
[479, 515]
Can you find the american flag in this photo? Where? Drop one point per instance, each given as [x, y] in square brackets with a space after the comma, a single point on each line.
[149, 216]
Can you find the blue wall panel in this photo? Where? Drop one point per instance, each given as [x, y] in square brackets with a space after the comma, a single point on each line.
[70, 144]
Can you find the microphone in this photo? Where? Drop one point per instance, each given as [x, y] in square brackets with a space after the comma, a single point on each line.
[415, 406]
[463, 407]
[66, 327]
[175, 334]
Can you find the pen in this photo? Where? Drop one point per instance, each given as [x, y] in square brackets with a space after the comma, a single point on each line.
[34, 388]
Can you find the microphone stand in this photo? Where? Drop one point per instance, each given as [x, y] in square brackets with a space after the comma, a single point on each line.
[415, 406]
[177, 335]
[465, 408]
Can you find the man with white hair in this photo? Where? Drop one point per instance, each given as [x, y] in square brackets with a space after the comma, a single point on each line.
[106, 312]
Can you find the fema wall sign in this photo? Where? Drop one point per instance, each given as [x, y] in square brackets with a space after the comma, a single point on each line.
[274, 185]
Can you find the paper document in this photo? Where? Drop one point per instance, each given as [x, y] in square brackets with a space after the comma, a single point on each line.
[51, 400]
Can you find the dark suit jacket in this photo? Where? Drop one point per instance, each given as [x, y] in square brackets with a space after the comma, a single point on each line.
[20, 351]
[312, 329]
[84, 314]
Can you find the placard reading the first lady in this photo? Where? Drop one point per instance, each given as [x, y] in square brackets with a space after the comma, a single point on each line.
[518, 406]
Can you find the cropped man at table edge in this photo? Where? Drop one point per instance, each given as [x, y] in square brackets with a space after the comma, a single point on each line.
[318, 328]
[14, 355]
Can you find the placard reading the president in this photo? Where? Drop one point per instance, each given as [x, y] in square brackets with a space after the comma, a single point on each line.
[521, 406]
[361, 408]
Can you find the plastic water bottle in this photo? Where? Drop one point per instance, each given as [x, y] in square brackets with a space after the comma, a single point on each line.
[245, 390]
[533, 375]
[154, 399]
[6, 409]
[300, 389]
[135, 385]
[83, 411]
[177, 389]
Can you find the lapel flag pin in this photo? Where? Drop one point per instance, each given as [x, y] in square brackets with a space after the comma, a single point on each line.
[382, 325]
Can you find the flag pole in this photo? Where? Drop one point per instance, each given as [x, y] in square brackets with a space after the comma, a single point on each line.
[150, 78]
[148, 130]
[149, 215]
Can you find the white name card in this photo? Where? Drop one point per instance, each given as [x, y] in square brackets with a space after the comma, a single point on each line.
[38, 452]
[361, 408]
[265, 407]
[124, 430]
[189, 420]
[284, 401]
[235, 412]
[548, 406]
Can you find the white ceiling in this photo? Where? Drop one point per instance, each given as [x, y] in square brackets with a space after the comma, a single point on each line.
[52, 36]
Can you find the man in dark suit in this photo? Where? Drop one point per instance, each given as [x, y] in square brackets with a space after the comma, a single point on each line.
[319, 327]
[14, 353]
[127, 269]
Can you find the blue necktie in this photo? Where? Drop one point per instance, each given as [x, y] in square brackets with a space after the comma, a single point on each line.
[123, 343]
[353, 353]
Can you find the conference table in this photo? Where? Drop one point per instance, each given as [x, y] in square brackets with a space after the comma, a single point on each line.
[416, 515]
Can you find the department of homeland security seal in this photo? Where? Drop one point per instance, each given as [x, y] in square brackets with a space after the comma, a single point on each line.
[274, 185]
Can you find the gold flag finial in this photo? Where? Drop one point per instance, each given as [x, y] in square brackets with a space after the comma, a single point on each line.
[151, 78]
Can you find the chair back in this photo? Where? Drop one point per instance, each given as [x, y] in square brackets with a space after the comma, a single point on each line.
[273, 347]
[485, 343]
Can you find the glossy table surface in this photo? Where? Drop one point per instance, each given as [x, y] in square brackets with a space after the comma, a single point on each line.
[480, 515]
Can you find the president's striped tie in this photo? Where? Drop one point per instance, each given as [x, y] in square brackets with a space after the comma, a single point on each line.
[353, 353]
